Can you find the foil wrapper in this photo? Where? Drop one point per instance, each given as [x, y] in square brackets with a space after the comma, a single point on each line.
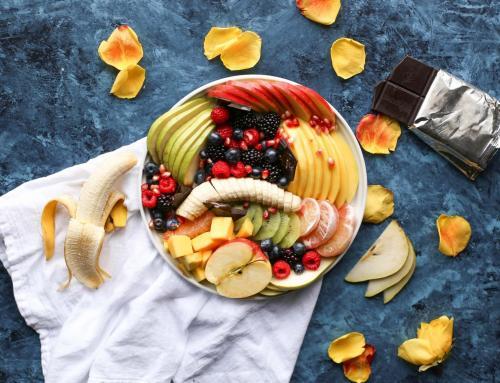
[460, 122]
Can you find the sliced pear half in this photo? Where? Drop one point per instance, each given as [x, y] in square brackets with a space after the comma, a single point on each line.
[385, 257]
[392, 291]
[376, 286]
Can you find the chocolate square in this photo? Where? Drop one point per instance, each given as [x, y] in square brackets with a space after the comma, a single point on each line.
[396, 102]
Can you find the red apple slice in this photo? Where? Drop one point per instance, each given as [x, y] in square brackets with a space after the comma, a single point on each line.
[254, 91]
[299, 109]
[328, 223]
[321, 104]
[300, 94]
[238, 269]
[276, 94]
[343, 235]
[221, 93]
[246, 91]
[266, 90]
[309, 215]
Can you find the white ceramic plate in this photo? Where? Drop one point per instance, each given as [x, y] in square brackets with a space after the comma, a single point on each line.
[358, 203]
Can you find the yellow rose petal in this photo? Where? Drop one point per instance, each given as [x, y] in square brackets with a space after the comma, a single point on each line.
[378, 134]
[219, 38]
[358, 370]
[454, 234]
[129, 82]
[346, 347]
[348, 57]
[379, 204]
[122, 49]
[243, 52]
[417, 351]
[320, 11]
[440, 334]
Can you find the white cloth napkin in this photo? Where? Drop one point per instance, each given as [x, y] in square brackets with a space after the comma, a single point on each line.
[146, 324]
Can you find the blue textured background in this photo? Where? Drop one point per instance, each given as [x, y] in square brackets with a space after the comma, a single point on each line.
[55, 111]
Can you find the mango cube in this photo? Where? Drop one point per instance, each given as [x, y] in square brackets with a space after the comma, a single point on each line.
[179, 245]
[246, 229]
[222, 228]
[205, 242]
[205, 255]
[198, 274]
[192, 261]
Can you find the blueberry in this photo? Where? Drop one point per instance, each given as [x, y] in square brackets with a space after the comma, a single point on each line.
[172, 224]
[159, 224]
[238, 134]
[151, 169]
[271, 155]
[266, 245]
[299, 249]
[298, 268]
[283, 181]
[276, 251]
[199, 177]
[156, 213]
[215, 139]
[256, 172]
[232, 156]
[203, 154]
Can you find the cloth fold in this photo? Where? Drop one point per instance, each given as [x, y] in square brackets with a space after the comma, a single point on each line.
[145, 324]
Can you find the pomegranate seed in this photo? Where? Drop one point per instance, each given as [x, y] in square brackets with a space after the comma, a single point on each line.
[248, 168]
[326, 121]
[265, 174]
[258, 147]
[144, 186]
[312, 123]
[227, 141]
[163, 169]
[315, 118]
[165, 175]
[331, 162]
[288, 114]
[243, 145]
[246, 205]
[319, 152]
[290, 124]
[265, 214]
[272, 210]
[270, 142]
[156, 178]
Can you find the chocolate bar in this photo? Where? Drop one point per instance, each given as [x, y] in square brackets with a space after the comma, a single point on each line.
[458, 120]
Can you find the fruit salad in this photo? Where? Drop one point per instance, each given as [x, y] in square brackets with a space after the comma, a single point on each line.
[249, 184]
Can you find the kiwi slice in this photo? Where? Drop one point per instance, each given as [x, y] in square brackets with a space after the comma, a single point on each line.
[257, 219]
[283, 229]
[292, 233]
[239, 222]
[269, 227]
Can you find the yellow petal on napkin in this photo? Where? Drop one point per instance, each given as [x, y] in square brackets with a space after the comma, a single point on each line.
[378, 134]
[432, 345]
[129, 82]
[454, 234]
[219, 38]
[346, 347]
[243, 52]
[320, 11]
[379, 204]
[348, 57]
[122, 49]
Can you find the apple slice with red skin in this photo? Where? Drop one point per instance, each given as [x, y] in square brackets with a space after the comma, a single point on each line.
[267, 90]
[239, 269]
[299, 93]
[254, 91]
[320, 103]
[299, 109]
[268, 85]
[245, 91]
[220, 92]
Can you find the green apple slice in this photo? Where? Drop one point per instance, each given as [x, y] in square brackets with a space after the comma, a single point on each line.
[283, 228]
[376, 286]
[392, 291]
[160, 122]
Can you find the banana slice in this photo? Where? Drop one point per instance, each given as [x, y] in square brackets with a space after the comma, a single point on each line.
[288, 202]
[98, 206]
[296, 201]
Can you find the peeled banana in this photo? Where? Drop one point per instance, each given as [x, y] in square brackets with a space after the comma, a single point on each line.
[236, 189]
[99, 210]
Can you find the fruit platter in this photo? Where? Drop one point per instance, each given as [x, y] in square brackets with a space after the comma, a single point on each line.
[253, 186]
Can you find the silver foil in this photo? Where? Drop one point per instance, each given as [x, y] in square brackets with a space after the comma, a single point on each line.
[460, 122]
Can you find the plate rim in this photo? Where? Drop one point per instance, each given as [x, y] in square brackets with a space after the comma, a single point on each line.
[345, 130]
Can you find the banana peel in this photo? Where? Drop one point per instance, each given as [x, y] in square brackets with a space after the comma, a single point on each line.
[98, 211]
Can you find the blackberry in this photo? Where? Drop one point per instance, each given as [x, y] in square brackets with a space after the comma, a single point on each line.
[245, 121]
[269, 123]
[164, 202]
[215, 152]
[275, 172]
[251, 157]
[290, 257]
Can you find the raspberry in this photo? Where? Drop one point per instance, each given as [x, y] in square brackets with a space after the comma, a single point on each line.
[219, 115]
[149, 199]
[311, 260]
[225, 131]
[221, 170]
[238, 170]
[167, 185]
[281, 270]
[251, 137]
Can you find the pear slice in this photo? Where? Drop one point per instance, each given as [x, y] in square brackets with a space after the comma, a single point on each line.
[376, 286]
[385, 257]
[392, 291]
